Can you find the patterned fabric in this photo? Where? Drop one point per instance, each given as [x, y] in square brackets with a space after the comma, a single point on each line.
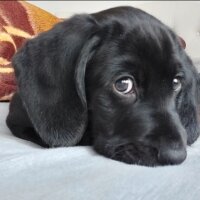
[19, 21]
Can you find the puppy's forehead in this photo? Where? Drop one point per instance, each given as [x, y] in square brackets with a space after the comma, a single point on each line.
[136, 41]
[144, 45]
[134, 31]
[149, 40]
[151, 45]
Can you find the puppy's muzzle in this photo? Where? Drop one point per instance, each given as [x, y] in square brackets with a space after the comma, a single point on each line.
[172, 139]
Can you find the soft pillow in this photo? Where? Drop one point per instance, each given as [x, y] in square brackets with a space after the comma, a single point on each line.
[19, 21]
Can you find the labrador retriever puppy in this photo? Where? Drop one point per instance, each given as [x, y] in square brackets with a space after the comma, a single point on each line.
[118, 80]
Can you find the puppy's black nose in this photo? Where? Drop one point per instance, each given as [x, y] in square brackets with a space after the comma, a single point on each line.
[172, 156]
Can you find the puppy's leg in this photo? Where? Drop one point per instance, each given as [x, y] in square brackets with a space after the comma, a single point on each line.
[19, 122]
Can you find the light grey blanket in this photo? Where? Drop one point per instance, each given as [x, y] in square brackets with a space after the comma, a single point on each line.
[30, 172]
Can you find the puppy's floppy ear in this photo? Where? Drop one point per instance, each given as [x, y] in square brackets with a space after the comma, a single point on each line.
[50, 72]
[188, 105]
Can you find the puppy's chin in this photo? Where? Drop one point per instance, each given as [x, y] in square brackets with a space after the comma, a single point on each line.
[131, 153]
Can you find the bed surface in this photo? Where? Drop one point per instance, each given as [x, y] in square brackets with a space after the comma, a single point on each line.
[28, 171]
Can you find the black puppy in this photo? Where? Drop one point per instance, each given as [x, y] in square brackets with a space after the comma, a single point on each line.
[118, 79]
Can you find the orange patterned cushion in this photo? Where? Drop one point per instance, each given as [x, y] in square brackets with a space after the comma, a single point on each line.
[19, 21]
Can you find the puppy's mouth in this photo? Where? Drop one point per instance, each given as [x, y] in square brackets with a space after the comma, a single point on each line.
[140, 154]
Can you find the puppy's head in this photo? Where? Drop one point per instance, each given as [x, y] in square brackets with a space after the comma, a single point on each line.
[119, 76]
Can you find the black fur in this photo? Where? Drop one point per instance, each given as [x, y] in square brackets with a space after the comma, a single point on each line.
[66, 97]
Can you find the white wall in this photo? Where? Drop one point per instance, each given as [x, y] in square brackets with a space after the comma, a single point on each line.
[67, 8]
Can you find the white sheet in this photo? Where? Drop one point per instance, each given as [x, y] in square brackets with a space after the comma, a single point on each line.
[30, 172]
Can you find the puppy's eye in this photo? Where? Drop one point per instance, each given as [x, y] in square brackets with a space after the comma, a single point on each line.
[177, 84]
[124, 85]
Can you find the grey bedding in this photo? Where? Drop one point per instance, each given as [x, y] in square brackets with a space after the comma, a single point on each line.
[30, 172]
